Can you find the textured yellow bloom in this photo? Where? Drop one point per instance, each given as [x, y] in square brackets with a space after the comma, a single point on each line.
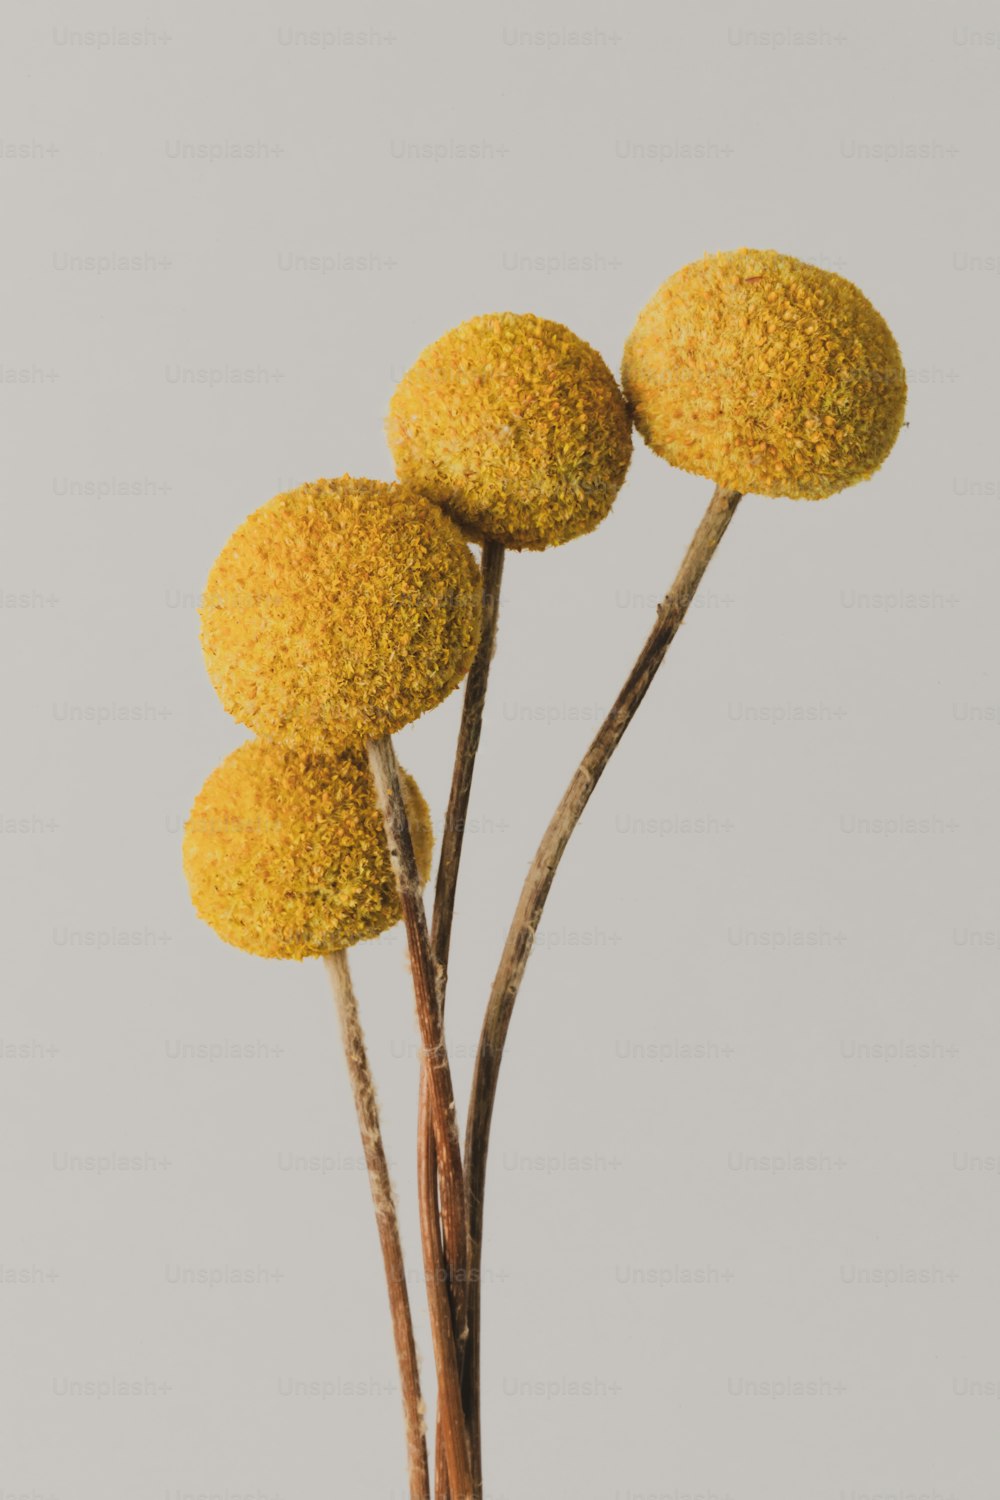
[285, 853]
[516, 426]
[765, 374]
[339, 612]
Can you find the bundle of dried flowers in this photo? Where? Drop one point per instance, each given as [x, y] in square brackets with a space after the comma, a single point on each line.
[344, 610]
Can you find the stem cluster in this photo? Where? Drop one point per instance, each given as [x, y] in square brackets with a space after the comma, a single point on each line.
[452, 1191]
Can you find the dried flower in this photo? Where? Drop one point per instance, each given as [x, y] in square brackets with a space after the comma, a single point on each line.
[340, 612]
[516, 426]
[765, 374]
[285, 853]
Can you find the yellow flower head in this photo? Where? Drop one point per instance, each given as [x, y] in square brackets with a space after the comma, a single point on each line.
[285, 853]
[516, 426]
[339, 612]
[765, 374]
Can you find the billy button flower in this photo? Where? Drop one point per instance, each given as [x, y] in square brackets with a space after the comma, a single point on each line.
[519, 430]
[766, 375]
[286, 857]
[338, 612]
[516, 426]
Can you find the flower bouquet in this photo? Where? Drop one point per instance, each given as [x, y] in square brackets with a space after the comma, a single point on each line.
[343, 610]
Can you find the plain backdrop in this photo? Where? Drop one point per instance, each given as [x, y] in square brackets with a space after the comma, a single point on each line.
[743, 1218]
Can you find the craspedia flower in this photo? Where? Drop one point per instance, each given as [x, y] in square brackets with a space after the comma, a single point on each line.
[516, 426]
[340, 611]
[285, 853]
[765, 374]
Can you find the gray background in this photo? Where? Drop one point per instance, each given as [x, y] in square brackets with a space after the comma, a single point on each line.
[742, 1233]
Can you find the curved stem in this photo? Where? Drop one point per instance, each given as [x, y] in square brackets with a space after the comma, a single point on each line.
[366, 1104]
[449, 1339]
[452, 838]
[536, 889]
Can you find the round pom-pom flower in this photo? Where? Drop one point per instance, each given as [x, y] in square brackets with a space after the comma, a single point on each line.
[286, 856]
[339, 612]
[516, 426]
[765, 374]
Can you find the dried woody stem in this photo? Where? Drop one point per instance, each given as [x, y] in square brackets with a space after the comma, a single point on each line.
[452, 837]
[439, 1299]
[453, 1222]
[465, 761]
[366, 1105]
[529, 909]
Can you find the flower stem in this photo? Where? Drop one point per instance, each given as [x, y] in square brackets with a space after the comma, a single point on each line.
[452, 837]
[366, 1104]
[534, 892]
[449, 1337]
[465, 761]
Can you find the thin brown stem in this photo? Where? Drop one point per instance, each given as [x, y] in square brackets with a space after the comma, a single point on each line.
[452, 840]
[532, 901]
[449, 1338]
[450, 858]
[465, 760]
[442, 1327]
[366, 1104]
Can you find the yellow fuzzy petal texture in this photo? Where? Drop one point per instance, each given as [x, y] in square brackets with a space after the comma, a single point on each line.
[765, 374]
[285, 853]
[340, 612]
[516, 426]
